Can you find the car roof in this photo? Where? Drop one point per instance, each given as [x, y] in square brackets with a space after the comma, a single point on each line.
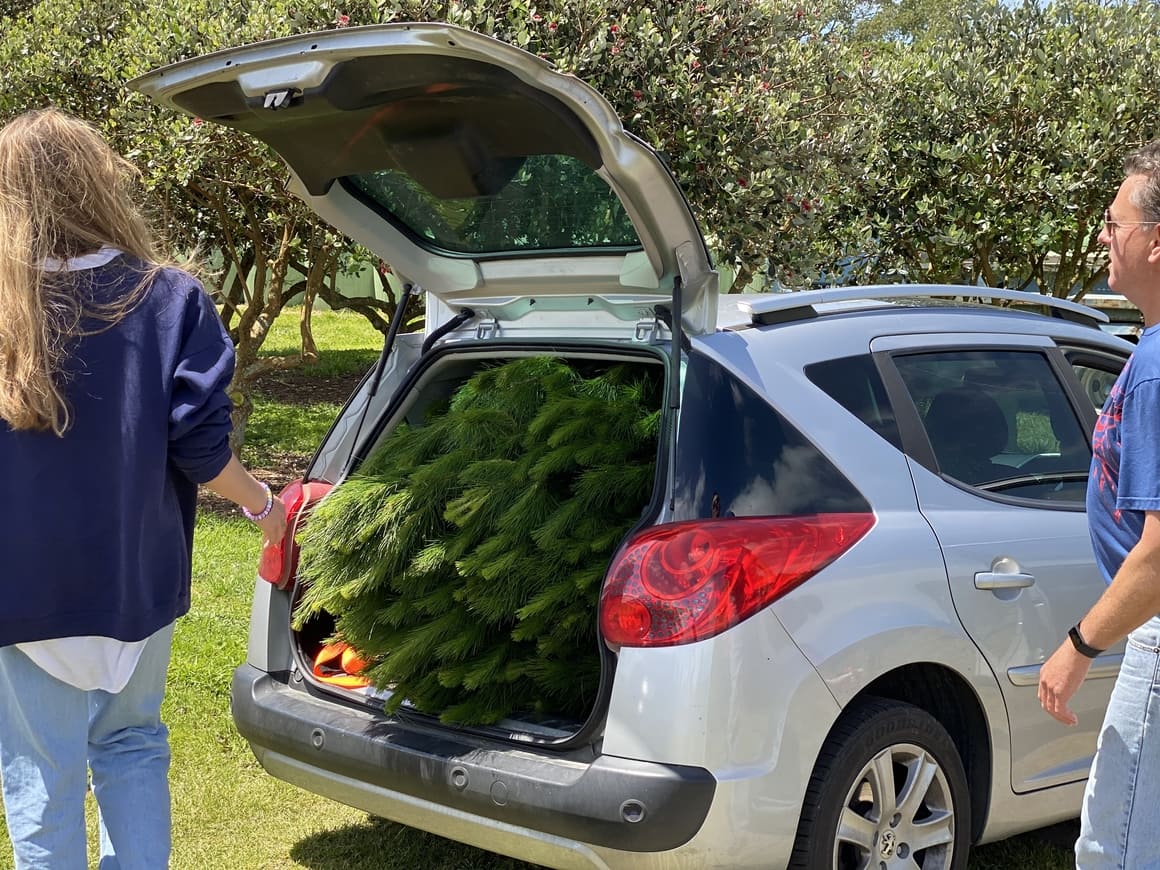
[848, 326]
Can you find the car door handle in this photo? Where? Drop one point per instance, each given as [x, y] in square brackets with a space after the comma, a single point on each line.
[997, 580]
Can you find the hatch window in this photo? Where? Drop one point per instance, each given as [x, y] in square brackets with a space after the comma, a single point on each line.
[541, 203]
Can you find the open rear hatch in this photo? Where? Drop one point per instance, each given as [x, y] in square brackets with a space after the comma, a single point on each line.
[475, 169]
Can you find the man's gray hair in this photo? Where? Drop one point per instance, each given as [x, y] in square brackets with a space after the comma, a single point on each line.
[1146, 162]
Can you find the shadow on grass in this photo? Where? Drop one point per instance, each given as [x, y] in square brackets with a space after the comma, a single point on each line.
[1050, 848]
[381, 845]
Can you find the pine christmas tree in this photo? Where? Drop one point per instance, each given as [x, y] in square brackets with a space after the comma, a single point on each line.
[464, 558]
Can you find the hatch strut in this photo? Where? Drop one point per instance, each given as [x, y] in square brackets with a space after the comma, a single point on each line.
[677, 330]
[676, 343]
[377, 375]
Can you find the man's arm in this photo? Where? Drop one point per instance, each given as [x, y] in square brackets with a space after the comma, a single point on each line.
[1132, 599]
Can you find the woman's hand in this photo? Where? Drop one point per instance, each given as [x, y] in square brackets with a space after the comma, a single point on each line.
[274, 525]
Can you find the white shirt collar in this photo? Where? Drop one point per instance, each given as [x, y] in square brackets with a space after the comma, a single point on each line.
[86, 261]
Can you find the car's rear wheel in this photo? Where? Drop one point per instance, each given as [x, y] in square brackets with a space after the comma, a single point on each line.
[888, 792]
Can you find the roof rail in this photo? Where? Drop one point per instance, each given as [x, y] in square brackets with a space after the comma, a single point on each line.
[799, 304]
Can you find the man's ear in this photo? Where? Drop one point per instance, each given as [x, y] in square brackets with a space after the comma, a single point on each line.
[1154, 245]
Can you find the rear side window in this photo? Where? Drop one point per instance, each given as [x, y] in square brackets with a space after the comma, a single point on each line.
[854, 383]
[1001, 421]
[737, 456]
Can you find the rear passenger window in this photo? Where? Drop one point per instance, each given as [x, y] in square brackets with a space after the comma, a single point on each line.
[737, 456]
[1000, 421]
[854, 383]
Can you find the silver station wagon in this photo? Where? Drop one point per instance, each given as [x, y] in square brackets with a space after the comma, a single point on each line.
[819, 646]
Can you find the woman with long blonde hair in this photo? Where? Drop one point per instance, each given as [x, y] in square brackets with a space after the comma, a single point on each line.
[113, 409]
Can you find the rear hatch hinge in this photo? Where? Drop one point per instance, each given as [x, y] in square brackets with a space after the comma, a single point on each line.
[651, 330]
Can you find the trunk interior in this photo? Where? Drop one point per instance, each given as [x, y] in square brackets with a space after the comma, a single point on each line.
[546, 720]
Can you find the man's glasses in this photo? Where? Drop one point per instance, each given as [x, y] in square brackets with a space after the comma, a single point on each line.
[1111, 225]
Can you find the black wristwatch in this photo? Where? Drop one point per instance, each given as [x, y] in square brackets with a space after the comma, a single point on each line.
[1081, 645]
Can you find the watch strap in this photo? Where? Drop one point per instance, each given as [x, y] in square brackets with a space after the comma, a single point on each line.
[1081, 645]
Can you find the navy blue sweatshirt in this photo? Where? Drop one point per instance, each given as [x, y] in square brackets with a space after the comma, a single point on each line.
[96, 527]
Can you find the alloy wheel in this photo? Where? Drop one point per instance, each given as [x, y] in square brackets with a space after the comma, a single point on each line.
[898, 815]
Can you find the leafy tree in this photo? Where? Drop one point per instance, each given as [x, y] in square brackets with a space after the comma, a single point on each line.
[741, 96]
[902, 20]
[993, 150]
[209, 189]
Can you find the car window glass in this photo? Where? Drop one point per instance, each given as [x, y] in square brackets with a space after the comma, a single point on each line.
[1096, 381]
[1000, 421]
[854, 383]
[542, 202]
[737, 456]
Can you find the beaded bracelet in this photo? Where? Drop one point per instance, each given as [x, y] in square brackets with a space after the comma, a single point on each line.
[265, 511]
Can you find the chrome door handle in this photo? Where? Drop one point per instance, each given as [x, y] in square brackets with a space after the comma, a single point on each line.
[996, 580]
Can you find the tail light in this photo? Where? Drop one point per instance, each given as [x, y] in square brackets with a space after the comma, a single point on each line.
[279, 559]
[682, 582]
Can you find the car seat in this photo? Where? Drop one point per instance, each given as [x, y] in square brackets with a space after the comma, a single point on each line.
[966, 428]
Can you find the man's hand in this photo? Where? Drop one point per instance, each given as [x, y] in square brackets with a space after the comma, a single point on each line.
[1059, 679]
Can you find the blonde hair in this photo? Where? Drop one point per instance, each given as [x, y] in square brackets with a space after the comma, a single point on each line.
[64, 192]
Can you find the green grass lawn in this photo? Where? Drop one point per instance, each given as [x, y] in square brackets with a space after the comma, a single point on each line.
[228, 813]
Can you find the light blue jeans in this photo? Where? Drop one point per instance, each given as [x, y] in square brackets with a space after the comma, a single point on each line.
[51, 734]
[1120, 821]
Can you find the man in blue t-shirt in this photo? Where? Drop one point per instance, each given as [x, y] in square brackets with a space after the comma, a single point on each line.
[1121, 805]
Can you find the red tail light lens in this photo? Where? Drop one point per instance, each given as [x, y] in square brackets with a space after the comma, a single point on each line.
[683, 582]
[279, 560]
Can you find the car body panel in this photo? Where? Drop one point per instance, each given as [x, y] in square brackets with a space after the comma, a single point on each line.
[1019, 627]
[845, 644]
[269, 648]
[1016, 628]
[741, 724]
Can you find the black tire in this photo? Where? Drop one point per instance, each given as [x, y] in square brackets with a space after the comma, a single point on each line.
[883, 741]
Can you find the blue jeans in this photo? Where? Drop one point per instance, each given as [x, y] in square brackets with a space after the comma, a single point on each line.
[1120, 820]
[51, 734]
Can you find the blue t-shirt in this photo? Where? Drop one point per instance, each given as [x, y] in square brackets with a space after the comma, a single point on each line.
[1125, 475]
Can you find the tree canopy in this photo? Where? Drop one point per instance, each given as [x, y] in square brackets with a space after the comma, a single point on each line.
[815, 140]
[991, 152]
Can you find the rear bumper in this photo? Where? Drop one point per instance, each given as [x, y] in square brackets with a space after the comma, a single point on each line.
[423, 777]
